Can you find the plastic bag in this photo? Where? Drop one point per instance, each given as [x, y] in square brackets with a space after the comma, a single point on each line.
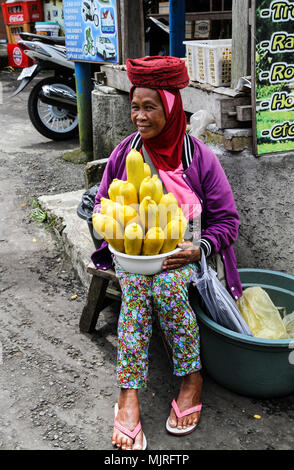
[260, 314]
[288, 321]
[199, 122]
[86, 206]
[217, 299]
[85, 212]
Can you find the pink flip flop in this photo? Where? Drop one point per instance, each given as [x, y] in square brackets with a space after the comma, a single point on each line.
[127, 432]
[182, 432]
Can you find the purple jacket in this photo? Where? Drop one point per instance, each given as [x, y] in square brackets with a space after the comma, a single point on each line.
[206, 177]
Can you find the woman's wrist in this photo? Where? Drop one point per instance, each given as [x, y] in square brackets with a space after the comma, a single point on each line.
[193, 251]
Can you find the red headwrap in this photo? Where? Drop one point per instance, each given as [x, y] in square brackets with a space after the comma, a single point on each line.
[160, 72]
[163, 73]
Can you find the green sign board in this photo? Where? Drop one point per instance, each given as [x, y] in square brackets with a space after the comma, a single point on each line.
[274, 86]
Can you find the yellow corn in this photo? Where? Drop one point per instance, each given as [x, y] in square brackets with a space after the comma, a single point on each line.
[147, 170]
[167, 208]
[135, 168]
[148, 211]
[168, 199]
[110, 207]
[180, 215]
[158, 193]
[147, 188]
[113, 190]
[133, 239]
[153, 241]
[126, 214]
[173, 234]
[108, 228]
[127, 193]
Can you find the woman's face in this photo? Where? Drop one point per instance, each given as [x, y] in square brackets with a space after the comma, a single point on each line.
[147, 112]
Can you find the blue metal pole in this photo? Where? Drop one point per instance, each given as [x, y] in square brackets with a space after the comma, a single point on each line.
[177, 10]
[84, 90]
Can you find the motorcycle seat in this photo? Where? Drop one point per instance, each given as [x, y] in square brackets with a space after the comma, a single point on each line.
[58, 40]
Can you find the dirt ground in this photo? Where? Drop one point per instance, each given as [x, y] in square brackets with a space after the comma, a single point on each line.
[57, 385]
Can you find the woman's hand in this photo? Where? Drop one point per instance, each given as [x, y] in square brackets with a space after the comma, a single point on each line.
[190, 254]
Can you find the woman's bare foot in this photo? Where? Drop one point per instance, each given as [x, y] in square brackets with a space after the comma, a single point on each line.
[128, 416]
[189, 396]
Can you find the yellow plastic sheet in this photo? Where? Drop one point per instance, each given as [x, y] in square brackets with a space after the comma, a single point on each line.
[261, 315]
[288, 321]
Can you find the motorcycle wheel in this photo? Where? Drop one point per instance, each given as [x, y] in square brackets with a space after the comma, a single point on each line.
[55, 123]
[96, 20]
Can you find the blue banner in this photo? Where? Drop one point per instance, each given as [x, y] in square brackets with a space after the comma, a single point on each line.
[91, 31]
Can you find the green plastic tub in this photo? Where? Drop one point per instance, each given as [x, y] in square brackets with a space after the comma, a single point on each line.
[250, 366]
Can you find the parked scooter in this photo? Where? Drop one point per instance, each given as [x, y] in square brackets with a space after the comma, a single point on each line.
[52, 104]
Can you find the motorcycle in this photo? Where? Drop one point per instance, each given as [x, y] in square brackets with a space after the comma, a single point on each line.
[90, 12]
[52, 103]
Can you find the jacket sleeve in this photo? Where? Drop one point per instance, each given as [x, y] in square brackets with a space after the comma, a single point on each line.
[221, 219]
[114, 169]
[104, 185]
[111, 171]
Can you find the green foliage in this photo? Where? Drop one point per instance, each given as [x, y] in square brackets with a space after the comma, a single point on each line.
[37, 212]
[263, 61]
[265, 28]
[267, 120]
[266, 91]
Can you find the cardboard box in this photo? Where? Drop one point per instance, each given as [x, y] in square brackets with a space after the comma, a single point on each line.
[22, 12]
[163, 8]
[14, 30]
[202, 29]
[17, 58]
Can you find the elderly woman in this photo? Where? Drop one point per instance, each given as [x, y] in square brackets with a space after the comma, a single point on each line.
[191, 171]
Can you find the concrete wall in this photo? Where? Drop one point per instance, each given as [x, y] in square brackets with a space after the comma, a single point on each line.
[111, 120]
[263, 187]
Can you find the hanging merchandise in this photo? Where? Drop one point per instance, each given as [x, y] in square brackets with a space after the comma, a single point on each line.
[219, 303]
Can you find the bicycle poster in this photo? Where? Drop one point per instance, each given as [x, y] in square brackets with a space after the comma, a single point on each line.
[91, 30]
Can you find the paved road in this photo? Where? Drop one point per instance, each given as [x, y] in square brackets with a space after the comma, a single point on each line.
[57, 385]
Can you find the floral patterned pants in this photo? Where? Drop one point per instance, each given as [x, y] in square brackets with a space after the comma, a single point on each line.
[167, 293]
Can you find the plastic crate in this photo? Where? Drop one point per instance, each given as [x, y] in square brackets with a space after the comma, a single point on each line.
[22, 11]
[210, 61]
[163, 8]
[17, 58]
[13, 31]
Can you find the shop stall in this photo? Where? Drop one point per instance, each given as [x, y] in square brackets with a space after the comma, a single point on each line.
[20, 16]
[43, 17]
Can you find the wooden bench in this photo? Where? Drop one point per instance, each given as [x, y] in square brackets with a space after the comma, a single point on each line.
[105, 289]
